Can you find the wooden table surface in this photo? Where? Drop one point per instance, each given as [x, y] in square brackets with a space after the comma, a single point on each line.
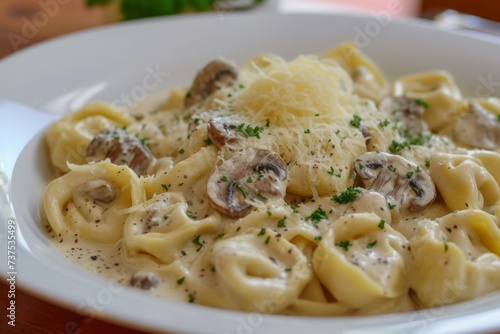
[35, 315]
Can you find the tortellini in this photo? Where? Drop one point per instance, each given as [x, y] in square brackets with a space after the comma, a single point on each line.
[455, 258]
[92, 201]
[68, 138]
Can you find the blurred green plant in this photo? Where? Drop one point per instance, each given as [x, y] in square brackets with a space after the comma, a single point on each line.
[136, 9]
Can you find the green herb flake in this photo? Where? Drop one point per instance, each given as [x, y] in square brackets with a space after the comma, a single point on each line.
[220, 236]
[267, 239]
[165, 217]
[269, 213]
[427, 163]
[249, 180]
[224, 178]
[181, 280]
[294, 208]
[249, 130]
[344, 244]
[392, 168]
[384, 123]
[381, 224]
[164, 186]
[418, 170]
[422, 102]
[409, 175]
[391, 206]
[445, 247]
[356, 121]
[181, 151]
[361, 166]
[318, 237]
[371, 244]
[281, 222]
[307, 131]
[191, 297]
[212, 269]
[347, 196]
[208, 141]
[244, 191]
[316, 216]
[262, 232]
[197, 242]
[288, 269]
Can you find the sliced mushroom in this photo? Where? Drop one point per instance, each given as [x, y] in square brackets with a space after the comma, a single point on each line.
[214, 75]
[402, 182]
[223, 130]
[409, 112]
[144, 280]
[122, 149]
[248, 176]
[477, 128]
[98, 190]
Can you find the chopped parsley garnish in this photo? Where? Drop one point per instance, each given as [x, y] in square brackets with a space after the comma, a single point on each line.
[181, 280]
[212, 268]
[409, 175]
[224, 178]
[189, 214]
[249, 130]
[197, 242]
[281, 222]
[288, 269]
[344, 244]
[181, 151]
[269, 213]
[356, 121]
[242, 189]
[208, 141]
[427, 163]
[165, 217]
[294, 208]
[384, 123]
[316, 216]
[267, 239]
[262, 232]
[392, 168]
[361, 166]
[267, 123]
[337, 131]
[391, 206]
[249, 180]
[316, 115]
[164, 186]
[418, 170]
[307, 131]
[347, 196]
[191, 297]
[445, 246]
[421, 102]
[381, 224]
[371, 244]
[318, 237]
[144, 141]
[220, 235]
[498, 118]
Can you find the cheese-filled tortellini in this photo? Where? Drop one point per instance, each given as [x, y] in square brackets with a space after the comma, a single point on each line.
[463, 181]
[369, 80]
[361, 261]
[438, 92]
[455, 258]
[69, 138]
[256, 271]
[92, 201]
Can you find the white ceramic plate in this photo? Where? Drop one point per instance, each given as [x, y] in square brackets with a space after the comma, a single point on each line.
[59, 76]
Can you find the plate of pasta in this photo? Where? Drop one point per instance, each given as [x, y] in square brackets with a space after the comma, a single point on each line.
[262, 173]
